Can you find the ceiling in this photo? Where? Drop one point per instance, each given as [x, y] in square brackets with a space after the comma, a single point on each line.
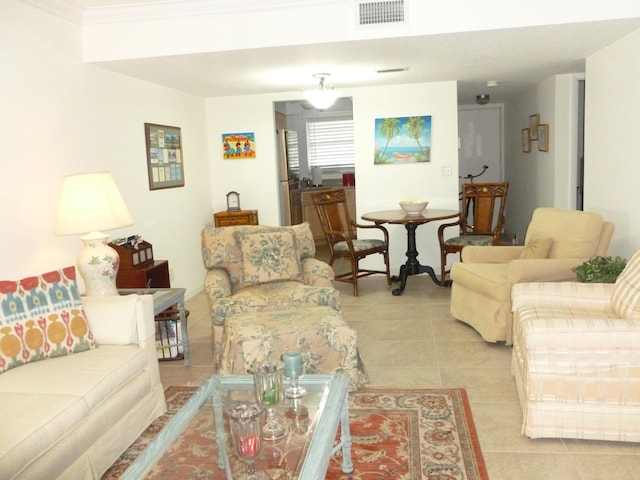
[516, 58]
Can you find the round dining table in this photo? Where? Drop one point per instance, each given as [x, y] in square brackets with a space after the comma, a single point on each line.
[411, 222]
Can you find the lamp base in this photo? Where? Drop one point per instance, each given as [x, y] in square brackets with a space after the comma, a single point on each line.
[98, 264]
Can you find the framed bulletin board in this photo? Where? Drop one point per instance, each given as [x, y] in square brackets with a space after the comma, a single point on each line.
[164, 156]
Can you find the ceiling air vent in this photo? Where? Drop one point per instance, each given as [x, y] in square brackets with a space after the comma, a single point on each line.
[383, 12]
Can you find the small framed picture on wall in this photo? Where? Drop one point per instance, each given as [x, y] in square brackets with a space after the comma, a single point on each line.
[534, 121]
[543, 137]
[164, 156]
[526, 141]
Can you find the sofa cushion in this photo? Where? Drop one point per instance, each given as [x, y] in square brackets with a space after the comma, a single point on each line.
[50, 406]
[625, 299]
[268, 257]
[42, 317]
[112, 319]
[537, 248]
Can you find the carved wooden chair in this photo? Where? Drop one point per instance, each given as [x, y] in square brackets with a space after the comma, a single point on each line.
[340, 231]
[480, 223]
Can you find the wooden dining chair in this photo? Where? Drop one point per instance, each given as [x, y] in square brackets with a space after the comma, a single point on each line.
[341, 234]
[481, 220]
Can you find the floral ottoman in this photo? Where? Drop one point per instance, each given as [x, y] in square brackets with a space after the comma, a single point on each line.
[327, 343]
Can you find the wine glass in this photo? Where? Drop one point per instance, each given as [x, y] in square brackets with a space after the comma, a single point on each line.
[293, 370]
[245, 421]
[268, 379]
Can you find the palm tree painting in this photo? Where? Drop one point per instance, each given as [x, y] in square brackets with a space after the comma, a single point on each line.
[402, 140]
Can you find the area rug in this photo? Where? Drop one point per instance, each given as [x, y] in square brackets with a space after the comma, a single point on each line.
[397, 434]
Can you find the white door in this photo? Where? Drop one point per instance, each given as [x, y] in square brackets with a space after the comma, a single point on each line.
[480, 143]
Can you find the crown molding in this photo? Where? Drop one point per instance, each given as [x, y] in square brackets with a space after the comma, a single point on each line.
[163, 9]
[60, 8]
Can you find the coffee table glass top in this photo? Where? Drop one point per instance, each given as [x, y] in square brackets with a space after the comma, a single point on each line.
[189, 444]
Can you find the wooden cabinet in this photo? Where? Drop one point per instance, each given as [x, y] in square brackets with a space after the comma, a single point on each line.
[239, 217]
[310, 215]
[151, 275]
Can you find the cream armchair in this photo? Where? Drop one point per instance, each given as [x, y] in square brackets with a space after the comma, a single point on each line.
[262, 268]
[556, 241]
[575, 357]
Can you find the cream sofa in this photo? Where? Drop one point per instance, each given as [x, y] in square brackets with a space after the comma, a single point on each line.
[72, 416]
[576, 357]
[556, 241]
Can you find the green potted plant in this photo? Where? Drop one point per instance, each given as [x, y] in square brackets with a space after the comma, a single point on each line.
[600, 269]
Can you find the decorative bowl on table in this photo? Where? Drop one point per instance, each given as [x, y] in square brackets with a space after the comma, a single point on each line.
[413, 207]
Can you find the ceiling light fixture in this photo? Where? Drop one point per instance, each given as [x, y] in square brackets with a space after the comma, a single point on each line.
[321, 97]
[483, 99]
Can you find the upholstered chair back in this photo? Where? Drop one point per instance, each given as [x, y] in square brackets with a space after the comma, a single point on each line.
[222, 249]
[575, 234]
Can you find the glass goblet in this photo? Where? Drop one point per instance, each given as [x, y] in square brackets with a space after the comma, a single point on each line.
[293, 370]
[245, 421]
[268, 379]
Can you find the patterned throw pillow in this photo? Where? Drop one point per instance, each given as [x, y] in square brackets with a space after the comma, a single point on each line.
[268, 257]
[41, 317]
[625, 299]
[304, 240]
[537, 248]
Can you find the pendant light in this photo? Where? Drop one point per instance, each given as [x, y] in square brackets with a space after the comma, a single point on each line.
[322, 97]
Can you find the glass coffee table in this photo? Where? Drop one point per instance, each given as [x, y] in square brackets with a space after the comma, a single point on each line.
[304, 453]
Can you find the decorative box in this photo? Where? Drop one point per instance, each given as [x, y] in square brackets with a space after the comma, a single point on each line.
[133, 257]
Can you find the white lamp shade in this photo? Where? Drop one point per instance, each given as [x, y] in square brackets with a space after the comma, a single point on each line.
[90, 202]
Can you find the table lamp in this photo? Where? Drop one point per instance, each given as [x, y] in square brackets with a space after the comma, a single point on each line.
[90, 203]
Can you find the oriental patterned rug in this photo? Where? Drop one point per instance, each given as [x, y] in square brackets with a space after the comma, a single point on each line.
[409, 434]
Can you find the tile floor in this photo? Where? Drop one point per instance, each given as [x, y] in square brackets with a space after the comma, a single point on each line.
[412, 341]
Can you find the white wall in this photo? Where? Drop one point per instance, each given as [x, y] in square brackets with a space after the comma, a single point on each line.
[211, 26]
[612, 162]
[530, 175]
[61, 116]
[378, 187]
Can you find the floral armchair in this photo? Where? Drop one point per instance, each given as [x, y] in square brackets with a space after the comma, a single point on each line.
[254, 268]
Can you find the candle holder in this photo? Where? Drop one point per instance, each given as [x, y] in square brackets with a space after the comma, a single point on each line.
[245, 422]
[293, 370]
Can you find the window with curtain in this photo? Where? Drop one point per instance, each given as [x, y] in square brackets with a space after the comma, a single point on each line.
[330, 143]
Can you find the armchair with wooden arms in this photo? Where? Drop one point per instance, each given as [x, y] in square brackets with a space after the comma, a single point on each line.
[481, 221]
[556, 241]
[341, 234]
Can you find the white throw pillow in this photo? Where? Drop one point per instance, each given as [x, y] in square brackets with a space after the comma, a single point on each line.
[112, 319]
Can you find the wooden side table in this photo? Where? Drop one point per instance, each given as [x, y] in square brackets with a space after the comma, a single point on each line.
[238, 217]
[164, 299]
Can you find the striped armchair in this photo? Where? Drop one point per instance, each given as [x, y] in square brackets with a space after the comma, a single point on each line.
[576, 357]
